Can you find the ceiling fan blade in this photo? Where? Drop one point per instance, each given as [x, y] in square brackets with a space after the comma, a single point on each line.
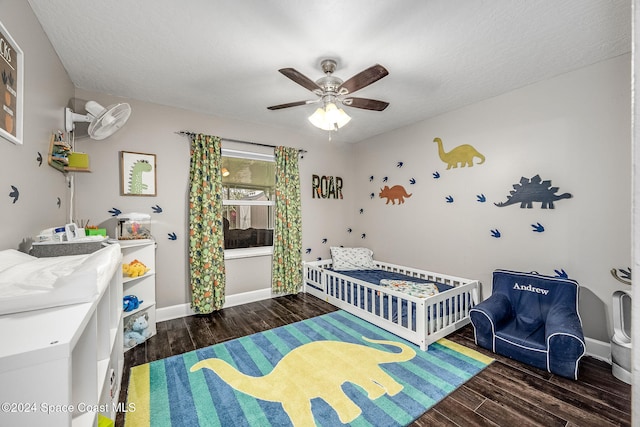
[290, 104]
[366, 104]
[362, 79]
[300, 78]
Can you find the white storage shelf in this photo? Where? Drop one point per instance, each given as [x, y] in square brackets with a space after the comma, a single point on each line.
[56, 364]
[143, 287]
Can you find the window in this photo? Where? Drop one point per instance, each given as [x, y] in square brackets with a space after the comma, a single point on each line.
[248, 182]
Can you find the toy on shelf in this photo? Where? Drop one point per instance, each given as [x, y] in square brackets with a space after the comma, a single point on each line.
[138, 332]
[135, 268]
[130, 303]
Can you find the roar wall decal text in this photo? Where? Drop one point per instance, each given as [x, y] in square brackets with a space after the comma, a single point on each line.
[326, 187]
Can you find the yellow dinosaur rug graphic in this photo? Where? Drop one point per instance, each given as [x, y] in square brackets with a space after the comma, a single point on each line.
[318, 370]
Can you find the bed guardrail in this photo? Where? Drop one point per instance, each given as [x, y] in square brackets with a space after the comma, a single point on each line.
[419, 320]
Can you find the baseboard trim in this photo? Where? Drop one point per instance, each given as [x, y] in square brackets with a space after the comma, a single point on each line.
[183, 310]
[598, 349]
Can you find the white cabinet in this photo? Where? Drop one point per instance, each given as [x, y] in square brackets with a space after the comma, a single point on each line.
[62, 366]
[143, 287]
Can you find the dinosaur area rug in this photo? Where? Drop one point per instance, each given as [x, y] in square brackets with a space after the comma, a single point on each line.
[331, 370]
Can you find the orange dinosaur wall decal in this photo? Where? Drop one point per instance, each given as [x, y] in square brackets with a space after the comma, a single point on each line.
[463, 154]
[397, 192]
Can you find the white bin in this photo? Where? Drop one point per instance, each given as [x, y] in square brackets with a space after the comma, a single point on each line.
[621, 340]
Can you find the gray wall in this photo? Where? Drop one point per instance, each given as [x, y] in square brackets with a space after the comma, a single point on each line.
[151, 129]
[47, 90]
[574, 130]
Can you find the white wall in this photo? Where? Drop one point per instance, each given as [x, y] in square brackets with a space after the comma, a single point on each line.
[46, 92]
[151, 129]
[573, 130]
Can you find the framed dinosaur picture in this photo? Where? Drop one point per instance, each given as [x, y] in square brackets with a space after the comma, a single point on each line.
[137, 174]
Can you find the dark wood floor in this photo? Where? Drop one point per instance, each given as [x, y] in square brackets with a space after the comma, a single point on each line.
[507, 393]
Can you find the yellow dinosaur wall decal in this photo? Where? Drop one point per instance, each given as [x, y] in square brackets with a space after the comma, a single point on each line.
[318, 369]
[463, 154]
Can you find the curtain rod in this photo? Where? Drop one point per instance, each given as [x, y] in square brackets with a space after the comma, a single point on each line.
[187, 133]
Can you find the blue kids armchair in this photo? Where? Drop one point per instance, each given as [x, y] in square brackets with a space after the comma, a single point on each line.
[533, 319]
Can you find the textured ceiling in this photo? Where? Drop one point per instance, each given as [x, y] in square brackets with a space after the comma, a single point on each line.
[221, 57]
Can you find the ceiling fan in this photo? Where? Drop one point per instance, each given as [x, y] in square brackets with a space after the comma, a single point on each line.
[331, 91]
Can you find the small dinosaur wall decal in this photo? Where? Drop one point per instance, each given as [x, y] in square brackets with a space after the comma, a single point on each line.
[303, 374]
[136, 186]
[397, 192]
[462, 154]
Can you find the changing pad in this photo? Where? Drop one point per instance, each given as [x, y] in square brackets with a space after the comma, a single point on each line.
[30, 283]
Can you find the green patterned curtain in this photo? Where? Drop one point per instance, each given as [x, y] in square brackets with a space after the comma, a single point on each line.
[206, 238]
[287, 245]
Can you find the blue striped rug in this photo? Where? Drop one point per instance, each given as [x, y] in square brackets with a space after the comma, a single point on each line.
[365, 383]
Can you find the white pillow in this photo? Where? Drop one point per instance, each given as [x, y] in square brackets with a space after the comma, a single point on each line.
[352, 258]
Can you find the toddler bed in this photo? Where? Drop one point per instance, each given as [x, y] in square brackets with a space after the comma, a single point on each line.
[417, 305]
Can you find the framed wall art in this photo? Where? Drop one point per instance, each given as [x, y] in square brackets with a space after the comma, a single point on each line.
[12, 73]
[137, 174]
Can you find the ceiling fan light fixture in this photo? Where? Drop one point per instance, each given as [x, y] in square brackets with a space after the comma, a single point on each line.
[329, 117]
